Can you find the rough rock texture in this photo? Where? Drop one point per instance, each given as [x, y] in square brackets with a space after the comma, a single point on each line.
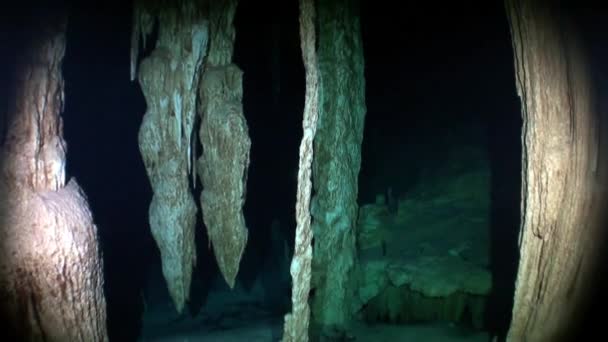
[422, 266]
[424, 289]
[51, 282]
[50, 266]
[428, 259]
[225, 139]
[562, 180]
[223, 165]
[296, 322]
[221, 42]
[169, 79]
[337, 160]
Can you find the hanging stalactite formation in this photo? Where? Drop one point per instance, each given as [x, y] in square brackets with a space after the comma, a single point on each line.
[169, 79]
[226, 144]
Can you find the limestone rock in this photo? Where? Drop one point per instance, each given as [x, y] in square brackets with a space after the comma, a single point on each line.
[373, 226]
[441, 276]
[428, 259]
[223, 165]
[563, 174]
[337, 160]
[374, 278]
[169, 79]
[297, 322]
[51, 271]
[50, 266]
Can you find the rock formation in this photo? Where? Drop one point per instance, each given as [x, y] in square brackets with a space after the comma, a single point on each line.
[297, 321]
[562, 173]
[428, 260]
[51, 280]
[337, 160]
[169, 79]
[224, 136]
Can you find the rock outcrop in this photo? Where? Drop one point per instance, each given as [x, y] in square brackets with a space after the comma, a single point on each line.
[428, 260]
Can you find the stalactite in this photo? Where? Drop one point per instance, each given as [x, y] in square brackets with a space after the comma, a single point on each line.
[143, 24]
[224, 163]
[221, 42]
[169, 79]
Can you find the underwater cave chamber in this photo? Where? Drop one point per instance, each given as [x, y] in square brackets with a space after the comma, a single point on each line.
[438, 210]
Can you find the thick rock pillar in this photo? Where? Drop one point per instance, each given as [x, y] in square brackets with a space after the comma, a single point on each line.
[51, 277]
[337, 160]
[562, 176]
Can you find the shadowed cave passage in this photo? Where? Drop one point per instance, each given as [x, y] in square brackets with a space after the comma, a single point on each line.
[439, 189]
[440, 178]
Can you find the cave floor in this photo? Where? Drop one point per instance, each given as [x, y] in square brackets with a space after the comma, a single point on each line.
[239, 315]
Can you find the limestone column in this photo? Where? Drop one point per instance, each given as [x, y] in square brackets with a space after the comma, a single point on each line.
[297, 321]
[224, 137]
[169, 79]
[562, 176]
[51, 273]
[337, 160]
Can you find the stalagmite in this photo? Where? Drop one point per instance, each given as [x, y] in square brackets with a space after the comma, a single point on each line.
[224, 136]
[337, 161]
[562, 174]
[169, 79]
[296, 323]
[51, 281]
